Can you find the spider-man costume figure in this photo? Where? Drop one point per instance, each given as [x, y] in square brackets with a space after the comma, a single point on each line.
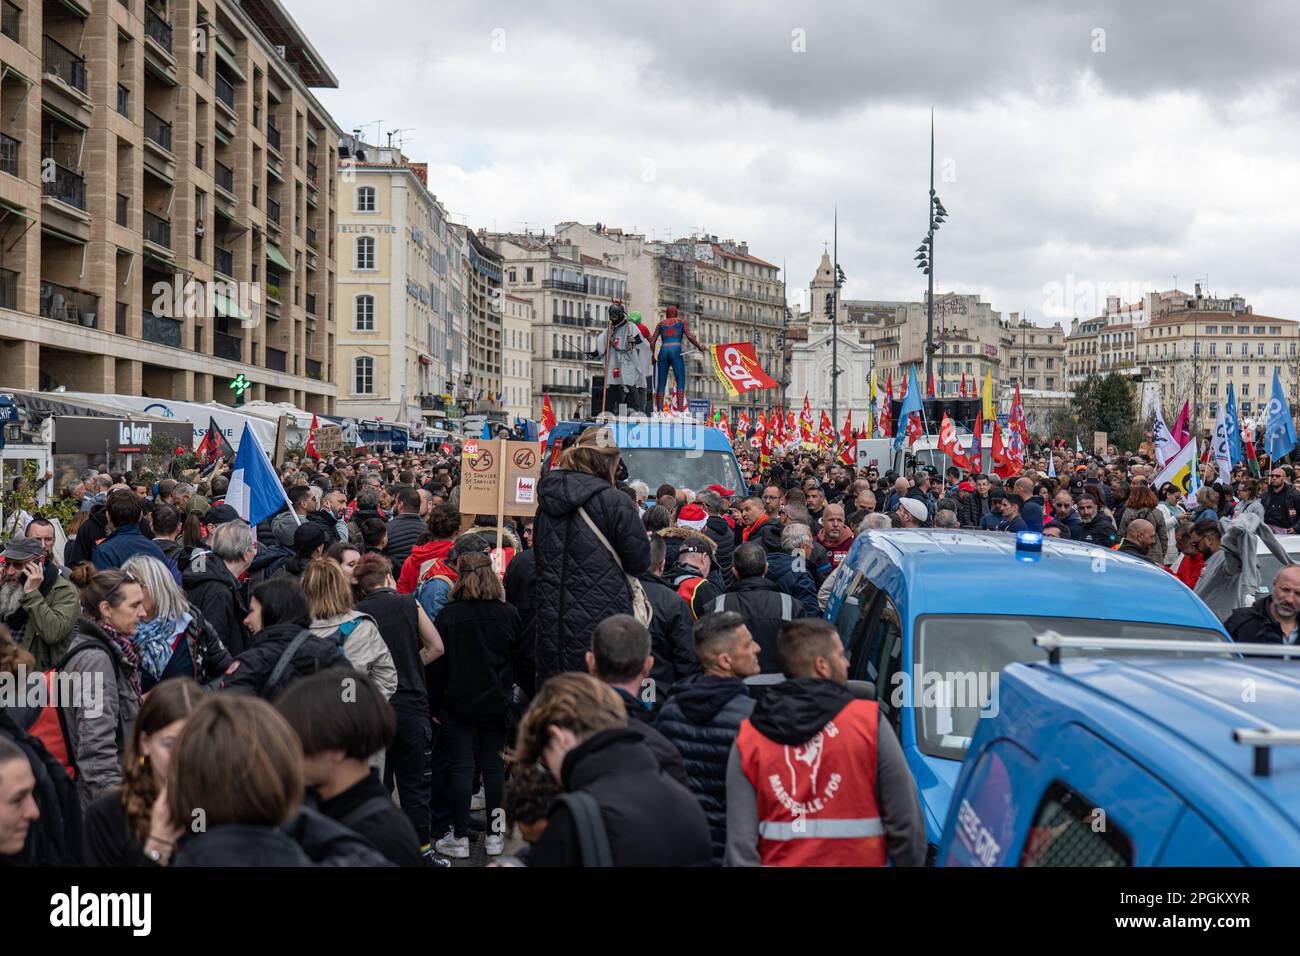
[670, 331]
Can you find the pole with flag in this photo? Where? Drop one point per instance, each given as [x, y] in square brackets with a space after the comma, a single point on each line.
[1279, 433]
[1166, 445]
[310, 448]
[912, 405]
[1222, 454]
[255, 492]
[1234, 429]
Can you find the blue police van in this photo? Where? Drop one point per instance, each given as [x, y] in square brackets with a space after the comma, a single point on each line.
[683, 453]
[930, 617]
[1134, 761]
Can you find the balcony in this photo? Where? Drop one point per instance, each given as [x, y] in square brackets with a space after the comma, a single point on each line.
[157, 129]
[272, 210]
[568, 355]
[9, 154]
[69, 305]
[225, 176]
[311, 175]
[564, 285]
[276, 359]
[225, 91]
[157, 29]
[64, 64]
[311, 237]
[313, 369]
[225, 262]
[566, 389]
[8, 289]
[272, 136]
[123, 210]
[11, 20]
[66, 186]
[157, 230]
[162, 330]
[230, 347]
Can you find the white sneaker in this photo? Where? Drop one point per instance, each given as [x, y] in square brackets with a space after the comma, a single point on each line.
[495, 844]
[450, 845]
[478, 801]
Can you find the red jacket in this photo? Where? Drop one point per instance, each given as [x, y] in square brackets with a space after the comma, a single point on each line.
[744, 535]
[421, 553]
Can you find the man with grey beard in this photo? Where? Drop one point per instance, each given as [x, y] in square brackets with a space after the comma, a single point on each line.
[37, 603]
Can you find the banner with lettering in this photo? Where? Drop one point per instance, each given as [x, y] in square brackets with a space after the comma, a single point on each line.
[738, 370]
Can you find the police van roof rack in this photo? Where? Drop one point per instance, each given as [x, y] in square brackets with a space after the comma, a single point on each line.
[1054, 643]
[1262, 739]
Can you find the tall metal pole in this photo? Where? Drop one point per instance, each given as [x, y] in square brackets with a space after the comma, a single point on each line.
[929, 299]
[835, 331]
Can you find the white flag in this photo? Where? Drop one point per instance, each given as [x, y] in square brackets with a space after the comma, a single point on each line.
[1222, 454]
[1166, 444]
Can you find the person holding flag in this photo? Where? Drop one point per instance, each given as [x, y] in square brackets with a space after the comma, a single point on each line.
[1279, 432]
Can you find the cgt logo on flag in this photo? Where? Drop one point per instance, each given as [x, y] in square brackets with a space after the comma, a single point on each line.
[738, 369]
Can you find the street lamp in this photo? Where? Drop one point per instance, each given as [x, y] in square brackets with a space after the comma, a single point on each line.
[937, 215]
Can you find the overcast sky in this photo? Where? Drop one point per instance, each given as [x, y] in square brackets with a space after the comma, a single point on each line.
[1078, 150]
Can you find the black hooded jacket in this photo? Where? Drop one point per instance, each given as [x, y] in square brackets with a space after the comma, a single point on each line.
[310, 839]
[701, 719]
[766, 609]
[650, 819]
[579, 583]
[251, 670]
[724, 537]
[211, 588]
[672, 636]
[92, 531]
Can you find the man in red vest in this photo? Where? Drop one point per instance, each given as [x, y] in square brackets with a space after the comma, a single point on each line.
[815, 778]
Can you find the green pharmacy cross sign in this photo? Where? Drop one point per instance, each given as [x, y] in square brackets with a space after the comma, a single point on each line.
[240, 384]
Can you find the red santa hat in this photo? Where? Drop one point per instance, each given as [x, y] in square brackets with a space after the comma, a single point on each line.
[692, 516]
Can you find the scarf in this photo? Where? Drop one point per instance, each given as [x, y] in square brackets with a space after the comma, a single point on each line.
[156, 641]
[129, 652]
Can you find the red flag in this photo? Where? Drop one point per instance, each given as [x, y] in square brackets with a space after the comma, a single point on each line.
[963, 384]
[902, 392]
[949, 446]
[1248, 446]
[1019, 442]
[724, 424]
[764, 454]
[886, 413]
[914, 428]
[826, 432]
[310, 448]
[742, 423]
[806, 421]
[848, 451]
[548, 416]
[976, 451]
[929, 385]
[1003, 466]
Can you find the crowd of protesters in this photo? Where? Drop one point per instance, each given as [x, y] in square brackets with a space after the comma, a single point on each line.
[353, 680]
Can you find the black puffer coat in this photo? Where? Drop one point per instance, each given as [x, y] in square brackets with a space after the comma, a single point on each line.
[251, 671]
[650, 818]
[701, 719]
[579, 583]
[724, 537]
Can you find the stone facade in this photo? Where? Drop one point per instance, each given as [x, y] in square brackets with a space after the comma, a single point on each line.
[146, 151]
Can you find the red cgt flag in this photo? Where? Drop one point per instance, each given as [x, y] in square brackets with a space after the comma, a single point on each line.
[738, 369]
[949, 446]
[310, 448]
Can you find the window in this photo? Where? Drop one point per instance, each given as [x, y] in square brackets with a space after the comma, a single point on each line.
[1243, 330]
[1259, 349]
[365, 199]
[1275, 330]
[1215, 345]
[1214, 389]
[365, 252]
[1260, 390]
[1211, 330]
[1063, 834]
[1277, 349]
[513, 276]
[1259, 330]
[1262, 371]
[363, 375]
[364, 314]
[1227, 348]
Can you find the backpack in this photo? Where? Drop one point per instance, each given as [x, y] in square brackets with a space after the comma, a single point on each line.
[593, 841]
[48, 723]
[271, 688]
[422, 579]
[370, 807]
[641, 607]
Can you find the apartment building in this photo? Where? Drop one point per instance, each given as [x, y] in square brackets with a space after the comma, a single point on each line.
[482, 290]
[1036, 356]
[517, 358]
[1192, 345]
[569, 294]
[397, 339]
[726, 294]
[171, 145]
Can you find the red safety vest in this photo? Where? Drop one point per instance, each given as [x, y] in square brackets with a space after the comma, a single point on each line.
[817, 801]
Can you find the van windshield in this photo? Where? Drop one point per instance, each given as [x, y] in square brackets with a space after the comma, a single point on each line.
[681, 468]
[958, 659]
